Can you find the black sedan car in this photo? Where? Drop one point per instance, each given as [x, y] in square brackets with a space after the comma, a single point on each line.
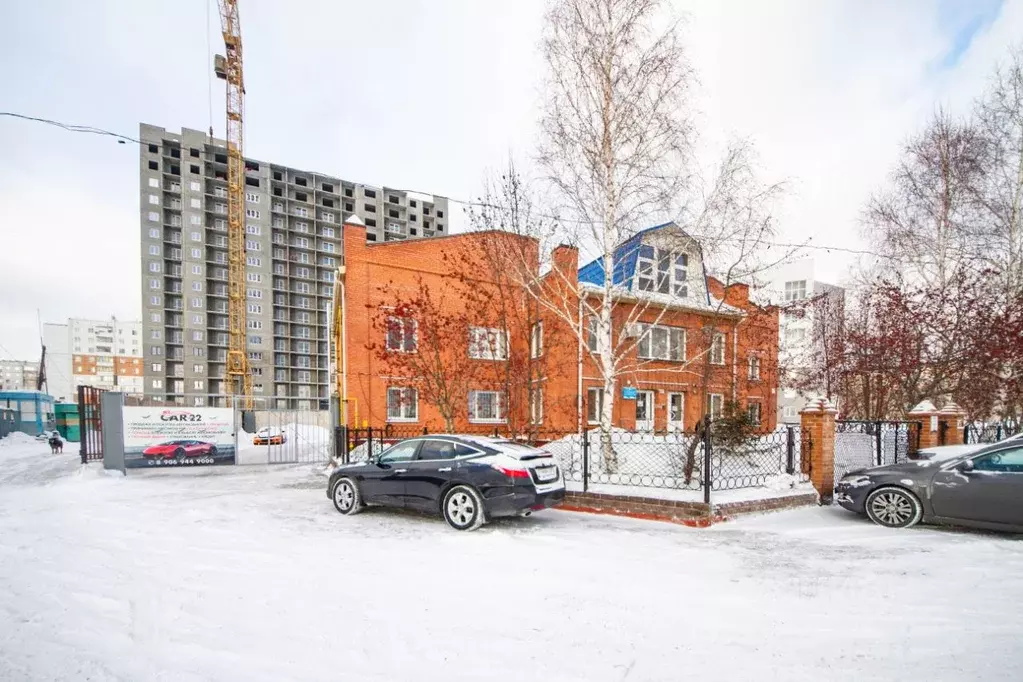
[467, 479]
[982, 489]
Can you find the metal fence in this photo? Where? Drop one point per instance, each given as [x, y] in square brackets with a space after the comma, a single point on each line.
[288, 436]
[630, 463]
[862, 444]
[90, 423]
[989, 432]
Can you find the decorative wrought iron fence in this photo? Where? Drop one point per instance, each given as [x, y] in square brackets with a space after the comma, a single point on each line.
[989, 432]
[634, 463]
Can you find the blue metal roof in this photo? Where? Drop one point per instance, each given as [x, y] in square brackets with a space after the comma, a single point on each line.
[623, 263]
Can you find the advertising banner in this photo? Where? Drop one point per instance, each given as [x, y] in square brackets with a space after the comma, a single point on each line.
[178, 436]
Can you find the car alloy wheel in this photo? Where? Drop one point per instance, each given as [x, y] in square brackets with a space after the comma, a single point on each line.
[179, 454]
[893, 508]
[212, 452]
[463, 508]
[347, 499]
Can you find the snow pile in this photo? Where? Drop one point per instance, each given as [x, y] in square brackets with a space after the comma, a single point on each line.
[786, 482]
[660, 459]
[17, 438]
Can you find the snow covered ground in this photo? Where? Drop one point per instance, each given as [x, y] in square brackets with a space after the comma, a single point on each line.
[248, 573]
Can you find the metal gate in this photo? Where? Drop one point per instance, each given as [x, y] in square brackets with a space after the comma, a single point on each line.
[862, 444]
[981, 432]
[294, 436]
[90, 423]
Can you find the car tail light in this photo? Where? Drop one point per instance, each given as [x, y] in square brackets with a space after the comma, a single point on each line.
[512, 473]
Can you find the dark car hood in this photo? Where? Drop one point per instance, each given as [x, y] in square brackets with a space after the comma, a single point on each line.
[909, 468]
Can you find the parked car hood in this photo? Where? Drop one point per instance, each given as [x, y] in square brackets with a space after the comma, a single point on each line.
[908, 468]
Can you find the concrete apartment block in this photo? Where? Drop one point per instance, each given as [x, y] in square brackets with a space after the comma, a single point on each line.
[102, 353]
[293, 243]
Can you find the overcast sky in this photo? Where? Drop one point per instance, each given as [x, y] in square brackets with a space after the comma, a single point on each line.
[429, 95]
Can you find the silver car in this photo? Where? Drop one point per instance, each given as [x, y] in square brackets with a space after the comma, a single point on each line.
[982, 489]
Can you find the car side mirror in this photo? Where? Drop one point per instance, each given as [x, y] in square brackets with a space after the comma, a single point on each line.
[966, 466]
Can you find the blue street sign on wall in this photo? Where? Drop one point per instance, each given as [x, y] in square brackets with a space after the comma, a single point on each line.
[628, 392]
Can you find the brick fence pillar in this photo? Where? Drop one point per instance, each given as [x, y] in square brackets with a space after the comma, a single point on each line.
[950, 420]
[926, 414]
[817, 422]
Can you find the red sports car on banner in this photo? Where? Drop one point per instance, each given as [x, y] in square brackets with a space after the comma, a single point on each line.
[180, 449]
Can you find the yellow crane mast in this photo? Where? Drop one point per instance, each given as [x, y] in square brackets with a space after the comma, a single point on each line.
[229, 68]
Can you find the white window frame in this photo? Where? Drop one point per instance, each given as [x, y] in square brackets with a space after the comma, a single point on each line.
[715, 405]
[536, 405]
[597, 403]
[536, 340]
[795, 290]
[674, 343]
[154, 216]
[498, 401]
[717, 349]
[680, 423]
[753, 368]
[252, 213]
[750, 404]
[672, 280]
[252, 197]
[592, 340]
[402, 326]
[153, 182]
[488, 343]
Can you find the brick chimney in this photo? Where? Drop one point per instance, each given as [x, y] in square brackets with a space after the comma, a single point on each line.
[565, 259]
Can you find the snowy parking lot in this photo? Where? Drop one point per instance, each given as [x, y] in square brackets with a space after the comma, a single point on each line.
[248, 573]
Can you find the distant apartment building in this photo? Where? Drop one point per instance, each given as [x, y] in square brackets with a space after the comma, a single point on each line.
[18, 375]
[293, 243]
[807, 305]
[102, 353]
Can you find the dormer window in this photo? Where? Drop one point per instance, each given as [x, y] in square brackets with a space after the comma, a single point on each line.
[662, 270]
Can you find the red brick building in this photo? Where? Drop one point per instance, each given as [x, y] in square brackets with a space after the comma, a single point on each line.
[690, 343]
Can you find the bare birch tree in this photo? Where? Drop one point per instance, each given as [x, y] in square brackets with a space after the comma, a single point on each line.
[998, 189]
[614, 135]
[926, 219]
[616, 148]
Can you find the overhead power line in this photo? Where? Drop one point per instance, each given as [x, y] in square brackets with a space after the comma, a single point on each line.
[480, 204]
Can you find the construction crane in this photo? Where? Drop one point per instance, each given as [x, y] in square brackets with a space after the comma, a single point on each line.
[229, 68]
